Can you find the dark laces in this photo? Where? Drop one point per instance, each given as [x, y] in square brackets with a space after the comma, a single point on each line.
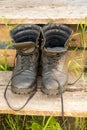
[27, 61]
[53, 60]
[22, 69]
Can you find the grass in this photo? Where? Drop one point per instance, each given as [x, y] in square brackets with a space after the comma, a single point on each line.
[5, 66]
[17, 122]
[76, 63]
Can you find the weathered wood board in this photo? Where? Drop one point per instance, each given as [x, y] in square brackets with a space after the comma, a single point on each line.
[38, 12]
[75, 100]
[76, 39]
[9, 56]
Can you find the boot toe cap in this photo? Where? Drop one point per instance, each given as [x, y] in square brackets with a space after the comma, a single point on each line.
[53, 87]
[23, 87]
[50, 88]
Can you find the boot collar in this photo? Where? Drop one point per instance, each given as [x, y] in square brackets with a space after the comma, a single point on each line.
[55, 50]
[25, 48]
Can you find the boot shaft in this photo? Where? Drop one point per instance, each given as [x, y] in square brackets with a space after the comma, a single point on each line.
[26, 42]
[56, 35]
[25, 33]
[54, 61]
[54, 49]
[27, 57]
[54, 52]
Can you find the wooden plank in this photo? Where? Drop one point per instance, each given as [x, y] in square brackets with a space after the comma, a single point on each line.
[75, 103]
[39, 2]
[5, 32]
[5, 35]
[27, 11]
[74, 42]
[77, 41]
[8, 56]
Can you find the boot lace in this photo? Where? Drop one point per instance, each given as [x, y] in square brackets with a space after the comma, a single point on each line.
[26, 63]
[52, 61]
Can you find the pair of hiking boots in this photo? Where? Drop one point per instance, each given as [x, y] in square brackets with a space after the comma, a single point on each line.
[35, 45]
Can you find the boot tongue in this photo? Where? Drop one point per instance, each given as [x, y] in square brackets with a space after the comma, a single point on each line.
[55, 50]
[25, 47]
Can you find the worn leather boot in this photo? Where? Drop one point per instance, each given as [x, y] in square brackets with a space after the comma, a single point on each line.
[24, 76]
[54, 51]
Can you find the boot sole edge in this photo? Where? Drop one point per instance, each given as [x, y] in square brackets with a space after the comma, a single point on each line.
[54, 91]
[23, 91]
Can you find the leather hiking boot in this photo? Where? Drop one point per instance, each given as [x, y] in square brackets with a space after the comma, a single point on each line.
[24, 76]
[54, 51]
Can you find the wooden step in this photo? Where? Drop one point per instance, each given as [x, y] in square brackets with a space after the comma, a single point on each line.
[75, 100]
[8, 56]
[38, 12]
[76, 39]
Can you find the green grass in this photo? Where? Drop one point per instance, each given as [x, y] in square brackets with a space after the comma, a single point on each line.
[17, 122]
[5, 66]
[76, 62]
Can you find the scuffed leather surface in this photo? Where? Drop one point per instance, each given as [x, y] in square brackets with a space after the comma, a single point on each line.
[24, 33]
[54, 51]
[56, 35]
[25, 71]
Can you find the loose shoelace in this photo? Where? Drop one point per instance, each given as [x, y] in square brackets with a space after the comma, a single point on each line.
[14, 75]
[52, 61]
[30, 97]
[62, 104]
[5, 96]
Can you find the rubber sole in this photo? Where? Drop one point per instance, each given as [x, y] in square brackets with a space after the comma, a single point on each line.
[23, 91]
[54, 91]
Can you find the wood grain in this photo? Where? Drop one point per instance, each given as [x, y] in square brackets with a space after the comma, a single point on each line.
[21, 12]
[76, 39]
[9, 56]
[75, 102]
